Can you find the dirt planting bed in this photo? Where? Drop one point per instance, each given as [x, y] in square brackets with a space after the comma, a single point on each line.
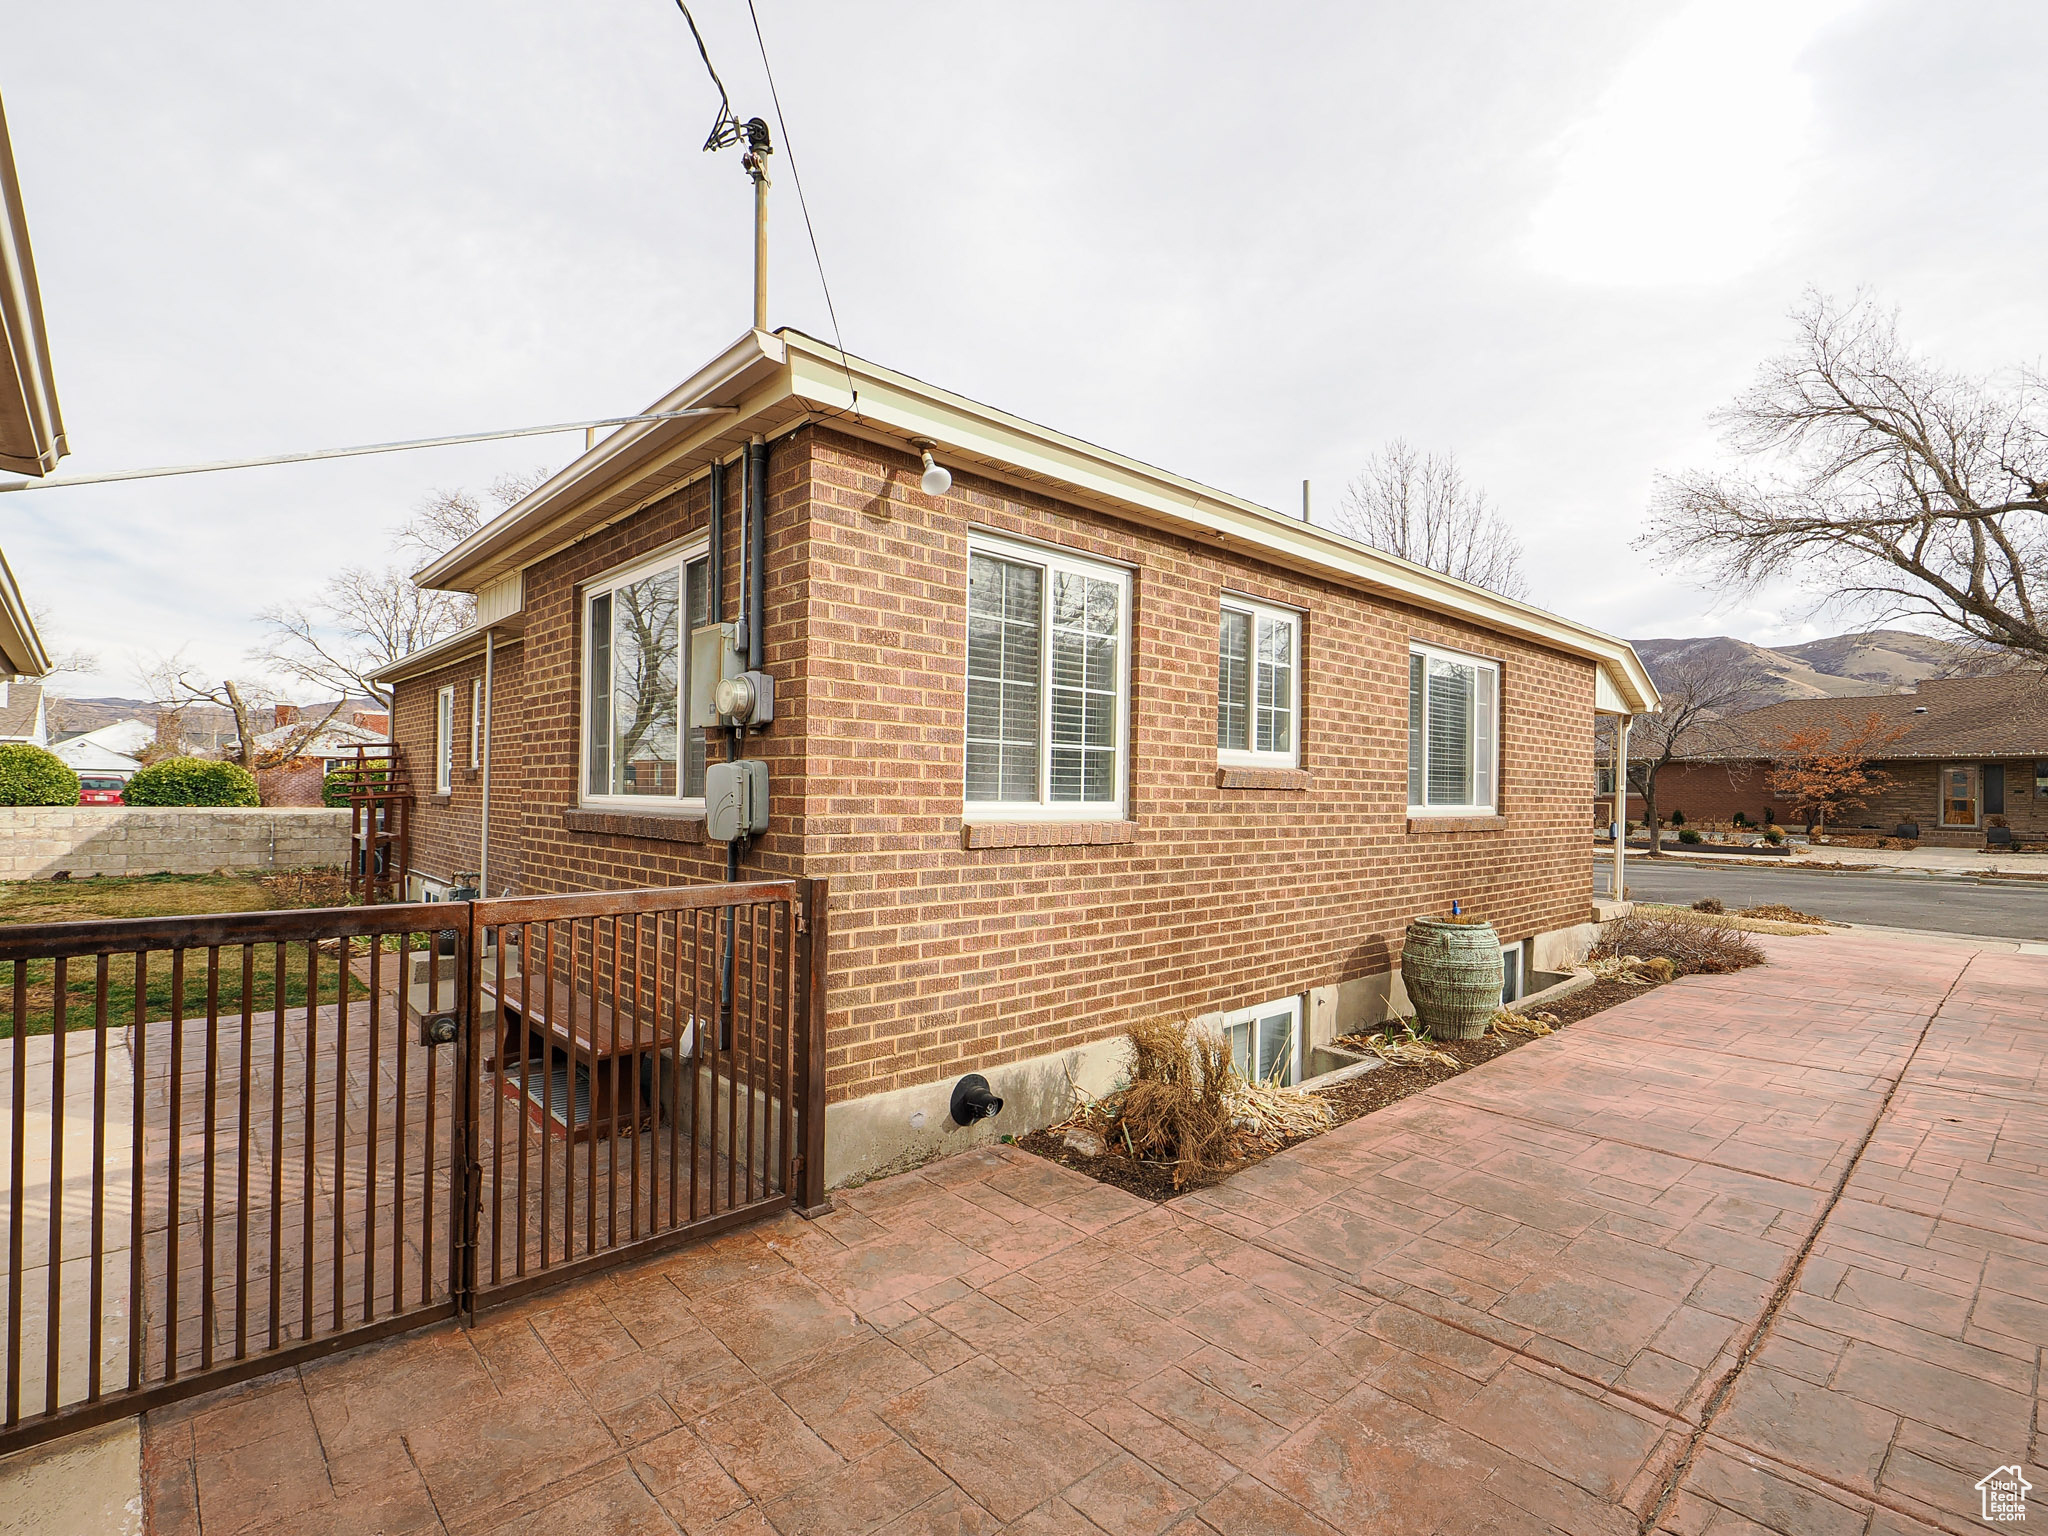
[1386, 1084]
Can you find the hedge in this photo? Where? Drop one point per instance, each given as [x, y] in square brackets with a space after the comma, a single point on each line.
[340, 783]
[31, 775]
[193, 781]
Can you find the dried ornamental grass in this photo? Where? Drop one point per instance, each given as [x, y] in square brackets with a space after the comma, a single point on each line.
[1778, 912]
[1507, 1021]
[1688, 948]
[1186, 1107]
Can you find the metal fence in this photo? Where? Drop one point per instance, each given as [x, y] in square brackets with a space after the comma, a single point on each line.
[236, 1142]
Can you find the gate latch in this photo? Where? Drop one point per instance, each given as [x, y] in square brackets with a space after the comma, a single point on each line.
[438, 1028]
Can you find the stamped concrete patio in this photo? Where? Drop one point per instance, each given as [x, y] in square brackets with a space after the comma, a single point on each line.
[1761, 1252]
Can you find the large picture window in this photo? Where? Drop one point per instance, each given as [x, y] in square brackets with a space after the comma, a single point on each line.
[1047, 643]
[1453, 731]
[1258, 671]
[636, 626]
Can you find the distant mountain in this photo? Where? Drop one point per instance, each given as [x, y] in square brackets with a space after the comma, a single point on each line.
[1875, 661]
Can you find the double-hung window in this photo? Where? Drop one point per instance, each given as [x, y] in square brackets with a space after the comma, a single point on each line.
[1258, 685]
[476, 723]
[444, 740]
[1048, 641]
[636, 627]
[1453, 733]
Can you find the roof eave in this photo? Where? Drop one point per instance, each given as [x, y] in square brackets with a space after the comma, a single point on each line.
[896, 407]
[31, 426]
[744, 379]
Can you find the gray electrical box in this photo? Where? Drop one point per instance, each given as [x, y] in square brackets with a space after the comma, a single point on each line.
[735, 800]
[714, 656]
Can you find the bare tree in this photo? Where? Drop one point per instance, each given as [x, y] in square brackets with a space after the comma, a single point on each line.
[1418, 506]
[363, 619]
[1885, 482]
[1697, 691]
[174, 686]
[65, 661]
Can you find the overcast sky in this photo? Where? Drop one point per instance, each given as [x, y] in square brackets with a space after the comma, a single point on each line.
[1247, 243]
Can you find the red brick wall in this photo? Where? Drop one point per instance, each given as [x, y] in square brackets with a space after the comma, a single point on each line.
[1714, 791]
[445, 829]
[293, 783]
[947, 958]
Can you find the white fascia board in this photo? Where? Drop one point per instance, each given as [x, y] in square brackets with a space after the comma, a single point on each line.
[459, 646]
[1009, 447]
[600, 470]
[21, 648]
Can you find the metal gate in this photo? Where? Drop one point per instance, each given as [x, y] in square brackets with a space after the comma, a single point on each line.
[234, 1143]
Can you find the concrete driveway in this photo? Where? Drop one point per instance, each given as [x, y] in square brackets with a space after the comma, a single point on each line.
[1752, 1253]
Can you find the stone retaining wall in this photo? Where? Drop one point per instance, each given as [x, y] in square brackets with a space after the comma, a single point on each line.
[37, 842]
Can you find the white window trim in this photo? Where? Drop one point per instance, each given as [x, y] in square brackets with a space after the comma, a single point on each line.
[444, 739]
[1231, 757]
[1251, 1015]
[676, 557]
[1490, 806]
[1050, 559]
[1512, 968]
[476, 723]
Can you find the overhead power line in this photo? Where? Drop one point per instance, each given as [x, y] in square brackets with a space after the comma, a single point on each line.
[167, 472]
[802, 202]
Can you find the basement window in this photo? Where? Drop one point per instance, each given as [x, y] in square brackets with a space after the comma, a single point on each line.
[1513, 977]
[1048, 639]
[1258, 685]
[444, 740]
[1265, 1042]
[1453, 729]
[635, 665]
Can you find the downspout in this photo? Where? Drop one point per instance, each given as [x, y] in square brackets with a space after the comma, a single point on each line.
[1620, 805]
[483, 831]
[757, 547]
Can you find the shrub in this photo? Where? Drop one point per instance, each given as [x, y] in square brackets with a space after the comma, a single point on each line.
[31, 775]
[1738, 819]
[1678, 818]
[1689, 836]
[1693, 949]
[1774, 835]
[193, 781]
[340, 784]
[1709, 904]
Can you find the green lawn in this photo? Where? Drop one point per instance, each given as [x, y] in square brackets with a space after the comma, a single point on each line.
[46, 901]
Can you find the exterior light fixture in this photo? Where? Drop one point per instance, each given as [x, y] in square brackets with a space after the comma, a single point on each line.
[936, 479]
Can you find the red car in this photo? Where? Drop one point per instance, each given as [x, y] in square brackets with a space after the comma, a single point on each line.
[98, 790]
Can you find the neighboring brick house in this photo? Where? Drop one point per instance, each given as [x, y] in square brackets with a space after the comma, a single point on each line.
[1077, 741]
[1962, 752]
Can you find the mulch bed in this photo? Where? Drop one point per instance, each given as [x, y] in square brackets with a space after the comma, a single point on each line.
[1388, 1083]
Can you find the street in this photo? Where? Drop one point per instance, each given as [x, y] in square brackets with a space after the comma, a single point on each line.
[2006, 909]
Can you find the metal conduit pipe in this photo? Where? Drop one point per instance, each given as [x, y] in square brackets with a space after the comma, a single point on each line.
[757, 547]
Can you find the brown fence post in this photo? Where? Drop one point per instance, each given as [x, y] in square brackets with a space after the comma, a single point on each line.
[811, 1199]
[465, 1195]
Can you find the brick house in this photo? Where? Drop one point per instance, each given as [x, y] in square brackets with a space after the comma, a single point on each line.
[1076, 741]
[1966, 750]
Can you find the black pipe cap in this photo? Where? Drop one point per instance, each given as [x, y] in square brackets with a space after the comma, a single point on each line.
[972, 1100]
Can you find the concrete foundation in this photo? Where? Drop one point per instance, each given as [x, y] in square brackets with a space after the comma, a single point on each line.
[888, 1132]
